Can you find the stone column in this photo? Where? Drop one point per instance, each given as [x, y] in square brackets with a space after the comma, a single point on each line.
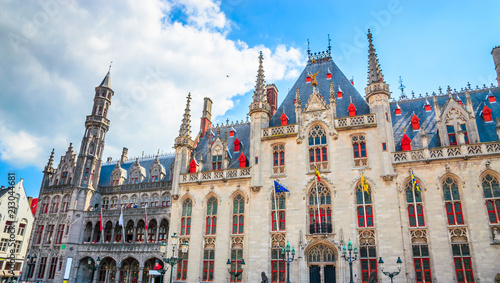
[92, 234]
[157, 231]
[141, 270]
[112, 240]
[117, 276]
[134, 234]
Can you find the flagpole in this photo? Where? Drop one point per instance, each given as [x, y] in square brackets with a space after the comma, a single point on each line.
[146, 223]
[317, 200]
[123, 226]
[102, 227]
[276, 211]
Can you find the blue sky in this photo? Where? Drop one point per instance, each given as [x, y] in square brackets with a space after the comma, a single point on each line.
[52, 56]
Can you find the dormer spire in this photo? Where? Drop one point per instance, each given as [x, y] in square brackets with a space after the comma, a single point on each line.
[51, 161]
[260, 85]
[185, 130]
[374, 71]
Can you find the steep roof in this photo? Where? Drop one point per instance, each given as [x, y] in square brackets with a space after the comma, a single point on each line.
[106, 82]
[338, 78]
[402, 123]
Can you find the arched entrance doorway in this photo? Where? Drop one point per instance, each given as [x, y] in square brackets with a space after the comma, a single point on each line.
[129, 272]
[107, 270]
[321, 260]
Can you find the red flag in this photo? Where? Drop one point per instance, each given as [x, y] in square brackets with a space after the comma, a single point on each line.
[146, 217]
[101, 220]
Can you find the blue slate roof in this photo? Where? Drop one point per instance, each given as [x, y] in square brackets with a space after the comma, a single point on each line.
[338, 78]
[409, 107]
[106, 169]
[242, 133]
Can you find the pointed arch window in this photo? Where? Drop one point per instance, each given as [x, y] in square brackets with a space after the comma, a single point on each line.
[238, 214]
[318, 149]
[278, 159]
[359, 150]
[452, 137]
[415, 206]
[320, 209]
[491, 192]
[364, 206]
[65, 203]
[453, 203]
[187, 206]
[278, 212]
[211, 221]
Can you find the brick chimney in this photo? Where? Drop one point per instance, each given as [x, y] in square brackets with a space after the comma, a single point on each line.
[272, 97]
[206, 116]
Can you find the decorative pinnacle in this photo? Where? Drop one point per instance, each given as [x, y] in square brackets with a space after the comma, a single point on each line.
[374, 72]
[298, 101]
[260, 85]
[401, 86]
[185, 130]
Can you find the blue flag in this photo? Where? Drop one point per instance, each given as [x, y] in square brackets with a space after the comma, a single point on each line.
[278, 188]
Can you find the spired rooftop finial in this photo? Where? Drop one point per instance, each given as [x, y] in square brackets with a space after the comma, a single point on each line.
[48, 167]
[185, 130]
[374, 72]
[106, 82]
[260, 85]
[401, 86]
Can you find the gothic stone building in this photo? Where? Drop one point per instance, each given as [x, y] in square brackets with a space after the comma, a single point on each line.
[445, 226]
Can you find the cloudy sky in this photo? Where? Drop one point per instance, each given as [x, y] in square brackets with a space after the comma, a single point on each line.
[54, 52]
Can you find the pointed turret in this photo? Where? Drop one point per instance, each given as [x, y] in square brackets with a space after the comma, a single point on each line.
[49, 167]
[106, 82]
[260, 102]
[374, 72]
[185, 130]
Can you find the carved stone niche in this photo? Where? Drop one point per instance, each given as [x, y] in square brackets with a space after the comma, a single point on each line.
[458, 235]
[278, 240]
[388, 177]
[366, 237]
[237, 242]
[175, 197]
[209, 243]
[418, 236]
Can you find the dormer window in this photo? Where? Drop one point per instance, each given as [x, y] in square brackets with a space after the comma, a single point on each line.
[406, 143]
[352, 110]
[340, 93]
[329, 75]
[237, 144]
[491, 97]
[308, 79]
[452, 137]
[231, 133]
[459, 101]
[397, 111]
[243, 161]
[284, 119]
[216, 162]
[415, 123]
[427, 108]
[193, 166]
[486, 113]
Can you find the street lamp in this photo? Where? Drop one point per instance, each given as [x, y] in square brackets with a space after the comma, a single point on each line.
[30, 262]
[236, 273]
[288, 260]
[173, 260]
[350, 258]
[390, 274]
[93, 267]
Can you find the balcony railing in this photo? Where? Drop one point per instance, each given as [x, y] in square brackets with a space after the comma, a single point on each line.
[126, 212]
[461, 151]
[360, 121]
[138, 187]
[121, 247]
[279, 132]
[320, 228]
[216, 175]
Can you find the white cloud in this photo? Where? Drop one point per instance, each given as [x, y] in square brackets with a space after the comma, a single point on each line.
[56, 52]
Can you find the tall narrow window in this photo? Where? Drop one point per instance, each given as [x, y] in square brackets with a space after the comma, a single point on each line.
[186, 217]
[491, 191]
[163, 232]
[421, 262]
[64, 176]
[368, 260]
[48, 236]
[466, 136]
[364, 206]
[42, 267]
[405, 143]
[452, 202]
[60, 232]
[65, 203]
[208, 264]
[211, 221]
[216, 162]
[318, 150]
[52, 269]
[463, 262]
[452, 137]
[414, 205]
[277, 266]
[236, 258]
[320, 210]
[359, 150]
[279, 159]
[182, 267]
[238, 214]
[39, 234]
[31, 267]
[278, 215]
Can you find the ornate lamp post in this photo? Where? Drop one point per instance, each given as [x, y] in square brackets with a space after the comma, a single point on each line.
[288, 259]
[173, 260]
[30, 265]
[235, 274]
[350, 258]
[93, 267]
[390, 274]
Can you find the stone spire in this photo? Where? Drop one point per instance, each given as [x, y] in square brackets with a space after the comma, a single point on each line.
[185, 130]
[48, 167]
[374, 71]
[260, 84]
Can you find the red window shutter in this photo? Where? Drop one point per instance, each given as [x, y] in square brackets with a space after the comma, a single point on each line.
[352, 110]
[243, 160]
[427, 108]
[491, 99]
[411, 215]
[340, 94]
[328, 76]
[231, 133]
[308, 79]
[487, 114]
[237, 144]
[406, 143]
[415, 122]
[284, 119]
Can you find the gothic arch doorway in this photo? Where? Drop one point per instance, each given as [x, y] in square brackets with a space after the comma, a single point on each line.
[321, 260]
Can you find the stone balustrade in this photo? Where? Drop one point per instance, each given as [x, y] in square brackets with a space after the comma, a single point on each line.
[361, 121]
[128, 212]
[279, 132]
[150, 186]
[216, 175]
[458, 151]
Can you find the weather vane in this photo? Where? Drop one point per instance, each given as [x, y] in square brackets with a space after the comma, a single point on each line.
[401, 86]
[329, 42]
[110, 66]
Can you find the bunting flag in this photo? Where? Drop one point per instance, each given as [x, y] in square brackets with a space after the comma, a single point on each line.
[364, 184]
[414, 182]
[120, 220]
[317, 174]
[145, 218]
[100, 224]
[278, 188]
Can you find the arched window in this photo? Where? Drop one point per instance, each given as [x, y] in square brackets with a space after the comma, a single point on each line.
[105, 203]
[359, 150]
[211, 222]
[452, 202]
[320, 209]
[165, 202]
[415, 205]
[124, 202]
[54, 208]
[186, 217]
[318, 151]
[144, 200]
[238, 214]
[163, 232]
[65, 203]
[140, 231]
[364, 206]
[278, 214]
[491, 191]
[45, 205]
[118, 233]
[154, 200]
[64, 177]
[278, 159]
[114, 202]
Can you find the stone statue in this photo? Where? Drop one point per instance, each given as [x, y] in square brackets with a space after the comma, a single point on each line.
[264, 278]
[496, 235]
[373, 277]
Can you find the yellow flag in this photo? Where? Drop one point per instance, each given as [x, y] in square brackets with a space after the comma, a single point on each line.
[317, 174]
[365, 184]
